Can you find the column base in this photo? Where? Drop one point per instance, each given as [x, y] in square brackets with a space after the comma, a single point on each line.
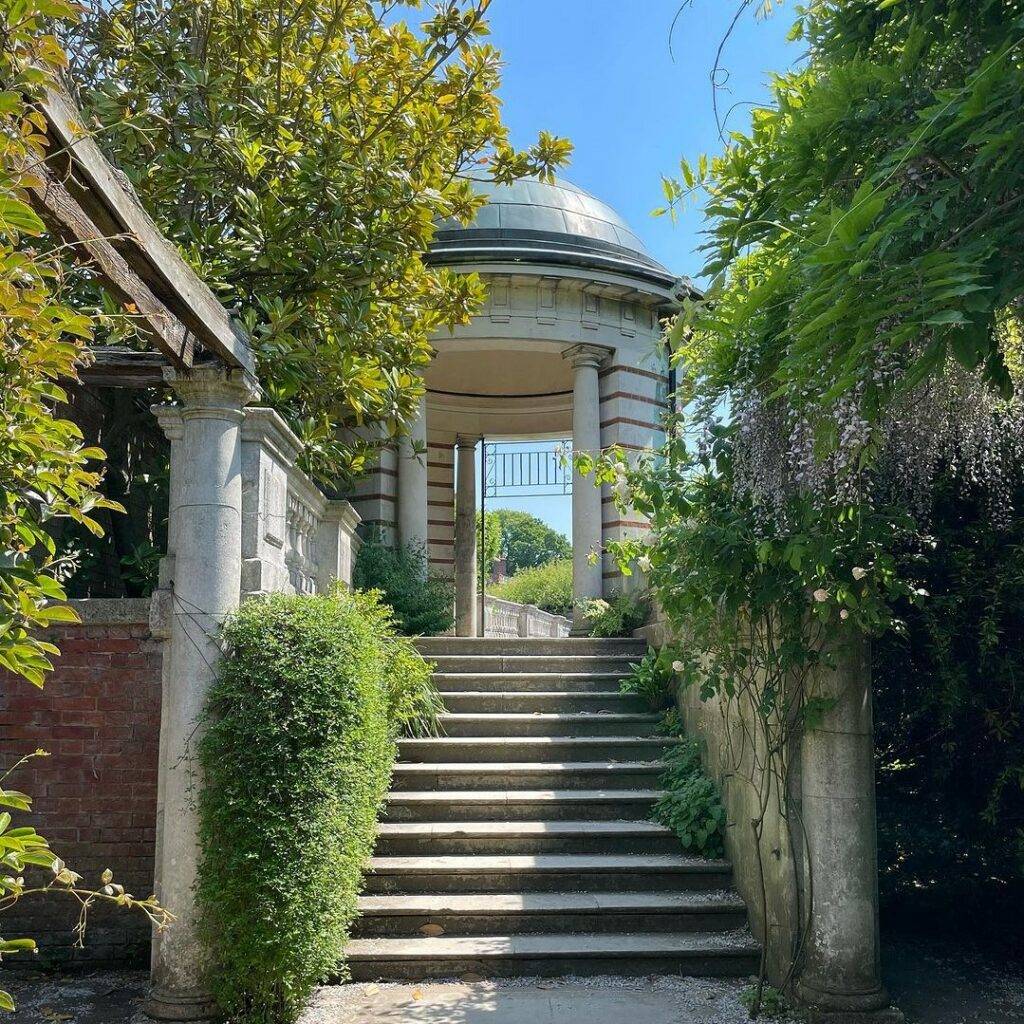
[890, 1015]
[824, 1007]
[193, 1005]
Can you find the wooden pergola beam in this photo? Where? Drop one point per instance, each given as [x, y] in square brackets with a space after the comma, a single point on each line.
[118, 367]
[65, 217]
[105, 202]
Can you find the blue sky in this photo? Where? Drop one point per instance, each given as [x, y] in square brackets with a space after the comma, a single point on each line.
[600, 72]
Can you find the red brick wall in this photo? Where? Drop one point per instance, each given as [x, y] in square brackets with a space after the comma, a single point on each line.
[94, 798]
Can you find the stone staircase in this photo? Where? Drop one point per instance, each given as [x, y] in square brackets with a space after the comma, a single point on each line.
[520, 842]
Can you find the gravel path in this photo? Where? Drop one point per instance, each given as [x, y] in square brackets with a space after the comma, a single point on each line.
[933, 978]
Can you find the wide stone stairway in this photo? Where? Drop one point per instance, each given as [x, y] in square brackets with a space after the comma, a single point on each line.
[520, 841]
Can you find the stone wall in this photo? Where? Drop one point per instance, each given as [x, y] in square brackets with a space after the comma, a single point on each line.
[731, 759]
[94, 797]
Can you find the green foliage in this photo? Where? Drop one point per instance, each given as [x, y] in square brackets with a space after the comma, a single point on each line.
[423, 602]
[765, 1001]
[297, 760]
[881, 198]
[651, 678]
[489, 542]
[44, 474]
[547, 586]
[620, 615]
[691, 806]
[300, 156]
[529, 541]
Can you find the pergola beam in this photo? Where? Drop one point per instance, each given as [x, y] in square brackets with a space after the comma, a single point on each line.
[65, 217]
[93, 185]
[118, 367]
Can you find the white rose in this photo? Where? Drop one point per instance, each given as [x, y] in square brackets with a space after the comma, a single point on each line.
[844, 614]
[677, 666]
[821, 595]
[644, 563]
[859, 573]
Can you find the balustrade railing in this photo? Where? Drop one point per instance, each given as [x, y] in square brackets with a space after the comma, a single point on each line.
[508, 619]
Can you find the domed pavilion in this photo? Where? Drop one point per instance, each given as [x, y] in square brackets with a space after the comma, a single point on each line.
[567, 346]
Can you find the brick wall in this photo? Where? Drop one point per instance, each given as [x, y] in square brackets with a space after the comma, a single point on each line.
[94, 798]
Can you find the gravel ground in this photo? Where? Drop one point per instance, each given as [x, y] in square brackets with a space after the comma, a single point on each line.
[934, 978]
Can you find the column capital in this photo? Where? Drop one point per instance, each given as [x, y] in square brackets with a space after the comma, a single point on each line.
[466, 441]
[586, 355]
[169, 419]
[213, 387]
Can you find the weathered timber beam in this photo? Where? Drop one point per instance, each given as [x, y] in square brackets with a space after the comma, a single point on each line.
[116, 367]
[66, 218]
[159, 264]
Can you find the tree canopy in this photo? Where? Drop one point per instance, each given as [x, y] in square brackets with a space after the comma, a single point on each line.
[299, 155]
[528, 541]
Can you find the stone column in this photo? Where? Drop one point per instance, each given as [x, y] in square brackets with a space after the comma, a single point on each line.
[841, 978]
[412, 484]
[465, 537]
[206, 527]
[587, 582]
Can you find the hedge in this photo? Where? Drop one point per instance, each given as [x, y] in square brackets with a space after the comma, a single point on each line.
[297, 757]
[547, 586]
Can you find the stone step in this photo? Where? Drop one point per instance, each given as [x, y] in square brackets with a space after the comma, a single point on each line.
[433, 646]
[491, 663]
[548, 724]
[441, 838]
[722, 954]
[534, 748]
[499, 682]
[522, 805]
[528, 775]
[544, 873]
[531, 913]
[546, 701]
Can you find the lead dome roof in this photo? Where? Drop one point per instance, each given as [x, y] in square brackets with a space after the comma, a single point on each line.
[555, 223]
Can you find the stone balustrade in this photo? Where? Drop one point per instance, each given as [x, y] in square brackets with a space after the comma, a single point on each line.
[294, 540]
[508, 619]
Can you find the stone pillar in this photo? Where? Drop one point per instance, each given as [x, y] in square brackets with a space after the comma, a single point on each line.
[841, 978]
[465, 537]
[412, 484]
[206, 526]
[587, 582]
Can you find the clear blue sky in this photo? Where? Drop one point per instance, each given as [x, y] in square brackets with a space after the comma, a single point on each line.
[600, 72]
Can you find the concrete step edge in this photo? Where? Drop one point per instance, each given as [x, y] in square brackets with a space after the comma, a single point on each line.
[513, 904]
[467, 864]
[491, 796]
[582, 946]
[498, 767]
[510, 829]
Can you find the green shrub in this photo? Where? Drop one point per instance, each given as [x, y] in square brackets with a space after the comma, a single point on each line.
[618, 616]
[691, 806]
[650, 678]
[423, 602]
[547, 586]
[297, 759]
[765, 1001]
